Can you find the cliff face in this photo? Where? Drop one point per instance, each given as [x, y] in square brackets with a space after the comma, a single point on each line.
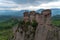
[36, 27]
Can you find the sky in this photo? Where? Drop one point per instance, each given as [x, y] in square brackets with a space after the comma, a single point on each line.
[28, 4]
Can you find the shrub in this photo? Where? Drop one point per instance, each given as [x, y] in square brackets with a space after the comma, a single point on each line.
[21, 22]
[34, 24]
[28, 23]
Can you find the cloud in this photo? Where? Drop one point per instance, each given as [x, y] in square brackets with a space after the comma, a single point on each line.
[28, 4]
[41, 6]
[7, 4]
[31, 2]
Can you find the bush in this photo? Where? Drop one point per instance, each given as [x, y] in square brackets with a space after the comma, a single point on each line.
[28, 23]
[21, 22]
[34, 24]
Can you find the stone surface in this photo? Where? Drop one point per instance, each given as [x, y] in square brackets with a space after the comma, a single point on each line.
[44, 30]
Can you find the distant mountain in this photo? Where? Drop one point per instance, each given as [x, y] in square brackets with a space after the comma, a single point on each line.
[20, 13]
[12, 13]
[39, 11]
[54, 11]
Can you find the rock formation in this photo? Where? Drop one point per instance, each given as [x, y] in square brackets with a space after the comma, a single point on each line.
[36, 26]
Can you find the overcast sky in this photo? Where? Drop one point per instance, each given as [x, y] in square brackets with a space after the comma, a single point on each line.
[28, 4]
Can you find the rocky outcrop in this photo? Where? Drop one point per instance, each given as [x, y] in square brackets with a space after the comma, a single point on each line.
[42, 30]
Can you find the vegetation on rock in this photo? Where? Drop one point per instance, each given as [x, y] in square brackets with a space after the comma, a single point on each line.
[34, 24]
